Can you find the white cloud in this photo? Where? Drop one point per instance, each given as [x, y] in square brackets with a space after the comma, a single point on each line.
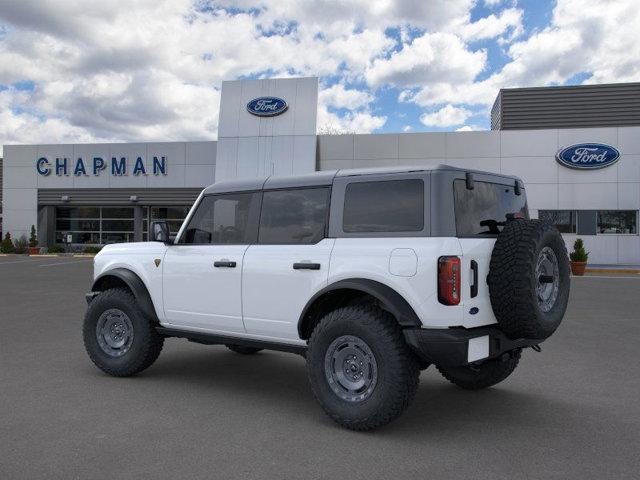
[469, 128]
[584, 37]
[152, 70]
[509, 20]
[492, 3]
[447, 116]
[338, 96]
[432, 57]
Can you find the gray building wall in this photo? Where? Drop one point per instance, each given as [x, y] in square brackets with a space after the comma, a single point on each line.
[189, 165]
[616, 104]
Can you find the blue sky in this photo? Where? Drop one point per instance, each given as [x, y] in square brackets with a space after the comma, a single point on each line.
[77, 71]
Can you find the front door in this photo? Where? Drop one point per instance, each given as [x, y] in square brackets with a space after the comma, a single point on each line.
[289, 263]
[202, 273]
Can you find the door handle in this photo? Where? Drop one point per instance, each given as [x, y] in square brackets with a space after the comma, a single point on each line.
[225, 264]
[474, 270]
[306, 266]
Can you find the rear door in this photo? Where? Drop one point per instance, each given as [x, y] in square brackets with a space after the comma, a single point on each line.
[289, 263]
[480, 213]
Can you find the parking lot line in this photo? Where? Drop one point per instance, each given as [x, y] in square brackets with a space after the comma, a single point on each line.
[617, 277]
[65, 263]
[20, 261]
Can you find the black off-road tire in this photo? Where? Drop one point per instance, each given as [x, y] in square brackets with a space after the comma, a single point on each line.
[513, 280]
[397, 368]
[484, 375]
[242, 349]
[146, 344]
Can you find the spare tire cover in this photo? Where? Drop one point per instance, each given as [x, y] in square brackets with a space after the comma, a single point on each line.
[529, 279]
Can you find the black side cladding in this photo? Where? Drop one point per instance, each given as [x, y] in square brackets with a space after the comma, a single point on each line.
[512, 279]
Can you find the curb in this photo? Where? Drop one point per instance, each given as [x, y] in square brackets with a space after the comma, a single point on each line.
[633, 271]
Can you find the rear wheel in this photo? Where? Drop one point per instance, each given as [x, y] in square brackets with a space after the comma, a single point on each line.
[360, 369]
[242, 349]
[119, 339]
[487, 374]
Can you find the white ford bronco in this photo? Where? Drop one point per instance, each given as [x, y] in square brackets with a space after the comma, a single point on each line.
[371, 275]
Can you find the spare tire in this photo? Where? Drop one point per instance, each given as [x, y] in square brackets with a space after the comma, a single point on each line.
[529, 279]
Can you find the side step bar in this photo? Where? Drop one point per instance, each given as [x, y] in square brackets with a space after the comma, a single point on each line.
[216, 339]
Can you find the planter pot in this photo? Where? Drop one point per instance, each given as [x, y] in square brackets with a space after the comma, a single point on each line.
[34, 250]
[577, 268]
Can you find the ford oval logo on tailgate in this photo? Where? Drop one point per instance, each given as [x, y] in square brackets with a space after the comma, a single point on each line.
[267, 106]
[588, 156]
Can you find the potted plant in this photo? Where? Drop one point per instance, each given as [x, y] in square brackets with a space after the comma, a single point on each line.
[7, 244]
[579, 258]
[33, 242]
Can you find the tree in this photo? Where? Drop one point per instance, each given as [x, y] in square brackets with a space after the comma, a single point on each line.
[7, 244]
[33, 238]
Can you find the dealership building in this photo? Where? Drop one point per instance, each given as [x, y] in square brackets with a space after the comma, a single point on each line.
[576, 148]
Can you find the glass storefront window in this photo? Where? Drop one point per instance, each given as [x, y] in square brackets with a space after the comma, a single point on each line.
[94, 225]
[618, 221]
[564, 220]
[174, 216]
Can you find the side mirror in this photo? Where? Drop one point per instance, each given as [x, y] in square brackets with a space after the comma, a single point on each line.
[160, 232]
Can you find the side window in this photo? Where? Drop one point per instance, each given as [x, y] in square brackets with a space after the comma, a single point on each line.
[294, 216]
[223, 219]
[384, 206]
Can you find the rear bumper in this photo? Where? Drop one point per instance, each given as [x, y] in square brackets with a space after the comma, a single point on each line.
[453, 347]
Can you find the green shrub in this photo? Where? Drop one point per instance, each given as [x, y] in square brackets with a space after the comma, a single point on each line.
[579, 254]
[21, 244]
[33, 238]
[7, 244]
[91, 249]
[56, 249]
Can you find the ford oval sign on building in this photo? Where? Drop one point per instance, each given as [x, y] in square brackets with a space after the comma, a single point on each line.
[267, 106]
[588, 156]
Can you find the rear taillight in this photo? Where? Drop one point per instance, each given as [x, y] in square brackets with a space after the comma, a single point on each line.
[449, 280]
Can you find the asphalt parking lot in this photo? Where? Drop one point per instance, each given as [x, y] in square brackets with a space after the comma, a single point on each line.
[572, 411]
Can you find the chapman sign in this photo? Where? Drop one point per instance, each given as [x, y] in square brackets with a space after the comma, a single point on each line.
[118, 166]
[588, 156]
[267, 106]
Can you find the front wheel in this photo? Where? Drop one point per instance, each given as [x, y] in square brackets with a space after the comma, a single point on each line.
[360, 369]
[119, 339]
[487, 374]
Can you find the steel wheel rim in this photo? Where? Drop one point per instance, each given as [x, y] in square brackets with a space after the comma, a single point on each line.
[114, 332]
[351, 368]
[547, 268]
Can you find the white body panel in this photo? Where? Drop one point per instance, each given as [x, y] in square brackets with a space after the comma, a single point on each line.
[376, 258]
[198, 294]
[273, 293]
[140, 259]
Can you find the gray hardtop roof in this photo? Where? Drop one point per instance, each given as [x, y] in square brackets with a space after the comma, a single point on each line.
[326, 177]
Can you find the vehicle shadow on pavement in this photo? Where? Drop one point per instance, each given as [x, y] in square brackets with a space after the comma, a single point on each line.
[277, 381]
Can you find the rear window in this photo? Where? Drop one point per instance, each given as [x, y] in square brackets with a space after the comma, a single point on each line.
[484, 210]
[384, 206]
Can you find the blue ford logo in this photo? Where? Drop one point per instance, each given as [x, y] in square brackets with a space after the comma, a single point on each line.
[588, 156]
[267, 106]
